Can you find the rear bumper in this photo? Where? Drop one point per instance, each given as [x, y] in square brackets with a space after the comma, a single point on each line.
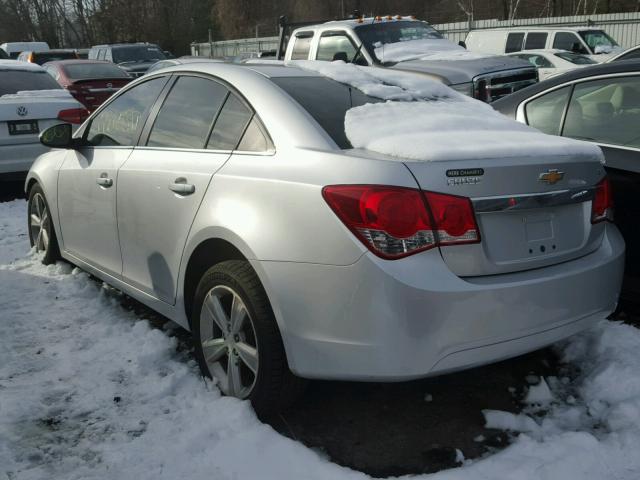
[19, 158]
[411, 318]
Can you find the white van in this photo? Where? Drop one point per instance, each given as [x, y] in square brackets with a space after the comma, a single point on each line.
[13, 49]
[593, 42]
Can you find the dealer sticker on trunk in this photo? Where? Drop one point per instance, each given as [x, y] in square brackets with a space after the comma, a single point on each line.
[464, 176]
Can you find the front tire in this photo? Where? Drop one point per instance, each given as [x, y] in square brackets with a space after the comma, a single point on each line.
[237, 341]
[42, 235]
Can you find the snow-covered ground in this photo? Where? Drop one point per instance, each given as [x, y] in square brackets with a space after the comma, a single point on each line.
[88, 390]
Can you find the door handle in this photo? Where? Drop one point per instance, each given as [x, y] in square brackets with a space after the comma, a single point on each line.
[181, 187]
[104, 181]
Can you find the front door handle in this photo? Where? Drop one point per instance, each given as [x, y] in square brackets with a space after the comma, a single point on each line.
[181, 187]
[104, 181]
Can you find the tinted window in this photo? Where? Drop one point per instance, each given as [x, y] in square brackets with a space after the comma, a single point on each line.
[301, 46]
[12, 81]
[52, 56]
[327, 101]
[254, 140]
[535, 40]
[119, 122]
[335, 47]
[566, 41]
[137, 53]
[514, 42]
[88, 70]
[545, 113]
[187, 114]
[606, 111]
[628, 56]
[230, 124]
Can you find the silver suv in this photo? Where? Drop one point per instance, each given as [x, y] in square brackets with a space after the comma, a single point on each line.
[228, 198]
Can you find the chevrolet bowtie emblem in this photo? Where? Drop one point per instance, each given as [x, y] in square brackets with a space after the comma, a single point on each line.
[551, 176]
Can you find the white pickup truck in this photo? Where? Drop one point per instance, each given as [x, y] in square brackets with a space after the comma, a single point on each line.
[30, 101]
[407, 44]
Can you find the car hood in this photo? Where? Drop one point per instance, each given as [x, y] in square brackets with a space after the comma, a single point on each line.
[136, 67]
[463, 70]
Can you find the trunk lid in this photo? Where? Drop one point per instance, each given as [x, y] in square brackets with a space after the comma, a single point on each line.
[531, 211]
[94, 92]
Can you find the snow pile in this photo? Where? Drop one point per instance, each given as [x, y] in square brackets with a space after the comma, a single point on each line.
[52, 93]
[441, 125]
[90, 391]
[426, 49]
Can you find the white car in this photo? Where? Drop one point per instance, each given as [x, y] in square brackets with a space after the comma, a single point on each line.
[632, 53]
[30, 101]
[553, 61]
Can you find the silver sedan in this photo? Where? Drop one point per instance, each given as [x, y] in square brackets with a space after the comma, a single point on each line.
[229, 199]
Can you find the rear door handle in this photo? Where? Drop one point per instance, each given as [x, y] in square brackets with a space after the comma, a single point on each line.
[181, 187]
[104, 181]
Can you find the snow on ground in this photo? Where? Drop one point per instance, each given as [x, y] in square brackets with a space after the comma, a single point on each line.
[90, 391]
[427, 121]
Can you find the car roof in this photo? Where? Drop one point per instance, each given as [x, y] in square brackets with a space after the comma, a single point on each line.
[138, 44]
[628, 66]
[17, 65]
[540, 50]
[275, 70]
[76, 61]
[550, 28]
[356, 22]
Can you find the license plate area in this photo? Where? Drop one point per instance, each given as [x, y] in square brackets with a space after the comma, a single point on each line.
[23, 127]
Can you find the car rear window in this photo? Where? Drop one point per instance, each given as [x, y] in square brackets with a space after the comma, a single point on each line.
[44, 57]
[87, 71]
[12, 81]
[326, 100]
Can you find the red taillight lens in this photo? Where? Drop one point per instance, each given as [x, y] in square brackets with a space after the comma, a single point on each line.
[73, 115]
[454, 218]
[602, 205]
[394, 222]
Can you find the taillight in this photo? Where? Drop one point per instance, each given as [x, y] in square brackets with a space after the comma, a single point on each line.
[482, 91]
[394, 222]
[602, 205]
[73, 115]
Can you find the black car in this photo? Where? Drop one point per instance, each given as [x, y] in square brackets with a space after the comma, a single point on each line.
[599, 104]
[134, 58]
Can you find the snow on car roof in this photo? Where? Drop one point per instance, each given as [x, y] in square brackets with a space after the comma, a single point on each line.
[425, 120]
[16, 65]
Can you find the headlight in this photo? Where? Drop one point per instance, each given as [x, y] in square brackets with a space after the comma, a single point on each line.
[464, 88]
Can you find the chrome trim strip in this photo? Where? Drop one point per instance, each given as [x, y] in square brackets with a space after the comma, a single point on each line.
[535, 200]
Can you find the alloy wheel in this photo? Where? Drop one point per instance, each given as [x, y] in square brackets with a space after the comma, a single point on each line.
[39, 223]
[229, 343]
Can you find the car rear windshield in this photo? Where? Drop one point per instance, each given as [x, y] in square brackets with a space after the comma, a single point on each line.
[576, 58]
[138, 53]
[90, 71]
[326, 100]
[12, 81]
[44, 57]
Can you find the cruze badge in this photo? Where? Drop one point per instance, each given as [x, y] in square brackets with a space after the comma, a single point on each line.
[22, 110]
[551, 176]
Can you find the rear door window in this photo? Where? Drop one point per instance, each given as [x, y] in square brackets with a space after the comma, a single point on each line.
[535, 40]
[254, 138]
[605, 111]
[301, 46]
[514, 42]
[120, 122]
[545, 113]
[230, 125]
[187, 114]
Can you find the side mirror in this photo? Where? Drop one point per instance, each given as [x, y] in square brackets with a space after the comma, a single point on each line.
[58, 136]
[462, 44]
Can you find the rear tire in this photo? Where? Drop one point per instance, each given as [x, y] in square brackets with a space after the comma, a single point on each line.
[42, 235]
[237, 340]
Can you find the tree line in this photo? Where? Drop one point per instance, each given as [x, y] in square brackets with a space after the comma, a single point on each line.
[174, 24]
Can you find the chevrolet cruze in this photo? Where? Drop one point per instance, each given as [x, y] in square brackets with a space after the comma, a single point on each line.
[229, 199]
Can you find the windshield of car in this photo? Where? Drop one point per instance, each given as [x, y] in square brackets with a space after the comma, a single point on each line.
[598, 41]
[43, 57]
[141, 53]
[576, 58]
[326, 100]
[377, 34]
[12, 81]
[85, 71]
